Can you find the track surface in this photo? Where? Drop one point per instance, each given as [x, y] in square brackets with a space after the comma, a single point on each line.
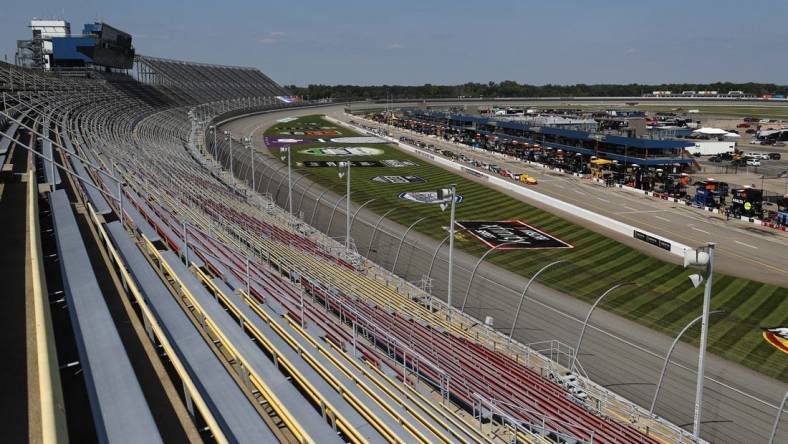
[740, 404]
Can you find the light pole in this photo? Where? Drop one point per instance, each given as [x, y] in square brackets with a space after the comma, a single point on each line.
[588, 316]
[475, 267]
[525, 290]
[212, 128]
[286, 149]
[670, 352]
[701, 256]
[228, 136]
[451, 194]
[341, 174]
[248, 142]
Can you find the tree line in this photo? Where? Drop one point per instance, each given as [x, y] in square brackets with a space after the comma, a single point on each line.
[509, 88]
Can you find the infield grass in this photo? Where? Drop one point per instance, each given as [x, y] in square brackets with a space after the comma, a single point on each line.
[664, 299]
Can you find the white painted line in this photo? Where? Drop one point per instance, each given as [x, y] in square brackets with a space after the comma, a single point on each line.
[580, 192]
[630, 208]
[602, 199]
[663, 218]
[698, 229]
[747, 245]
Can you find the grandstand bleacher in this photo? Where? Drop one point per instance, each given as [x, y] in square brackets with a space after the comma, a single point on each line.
[268, 330]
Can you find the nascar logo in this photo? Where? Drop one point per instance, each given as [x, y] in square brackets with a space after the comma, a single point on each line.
[399, 179]
[343, 151]
[427, 197]
[778, 337]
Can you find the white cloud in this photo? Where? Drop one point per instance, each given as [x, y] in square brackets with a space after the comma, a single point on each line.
[271, 37]
[394, 45]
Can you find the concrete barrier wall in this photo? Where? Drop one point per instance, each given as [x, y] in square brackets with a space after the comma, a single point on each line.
[581, 213]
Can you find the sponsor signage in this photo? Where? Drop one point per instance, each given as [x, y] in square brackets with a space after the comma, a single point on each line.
[516, 234]
[399, 179]
[287, 119]
[665, 245]
[343, 151]
[426, 197]
[777, 337]
[423, 154]
[473, 172]
[397, 163]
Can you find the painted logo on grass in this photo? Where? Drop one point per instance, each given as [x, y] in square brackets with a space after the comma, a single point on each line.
[517, 234]
[355, 163]
[287, 119]
[397, 163]
[360, 139]
[778, 337]
[399, 179]
[425, 197]
[322, 133]
[343, 151]
[279, 141]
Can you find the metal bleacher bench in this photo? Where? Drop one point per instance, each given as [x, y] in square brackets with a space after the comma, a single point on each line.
[120, 412]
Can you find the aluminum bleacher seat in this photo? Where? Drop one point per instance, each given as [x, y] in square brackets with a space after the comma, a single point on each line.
[120, 412]
[234, 413]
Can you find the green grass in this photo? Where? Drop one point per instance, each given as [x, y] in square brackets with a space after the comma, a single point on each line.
[663, 300]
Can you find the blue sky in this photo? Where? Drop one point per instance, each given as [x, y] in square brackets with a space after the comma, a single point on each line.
[448, 42]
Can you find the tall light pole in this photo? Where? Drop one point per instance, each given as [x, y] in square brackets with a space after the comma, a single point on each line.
[248, 142]
[286, 150]
[346, 164]
[212, 128]
[450, 194]
[228, 136]
[701, 256]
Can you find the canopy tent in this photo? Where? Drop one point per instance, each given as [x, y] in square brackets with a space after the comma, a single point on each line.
[706, 131]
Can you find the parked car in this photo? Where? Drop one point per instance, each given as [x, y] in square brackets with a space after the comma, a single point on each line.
[750, 131]
[753, 162]
[774, 156]
[764, 156]
[779, 144]
[743, 125]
